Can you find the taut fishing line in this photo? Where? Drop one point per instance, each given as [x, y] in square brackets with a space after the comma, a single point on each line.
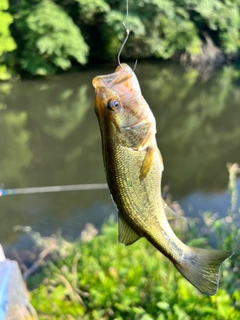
[126, 38]
[47, 189]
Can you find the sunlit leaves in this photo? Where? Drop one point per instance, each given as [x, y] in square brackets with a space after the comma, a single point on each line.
[89, 8]
[224, 18]
[161, 29]
[7, 43]
[52, 40]
[174, 27]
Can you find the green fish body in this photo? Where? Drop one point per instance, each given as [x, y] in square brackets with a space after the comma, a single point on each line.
[133, 166]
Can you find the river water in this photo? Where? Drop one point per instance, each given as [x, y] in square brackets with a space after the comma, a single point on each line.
[49, 136]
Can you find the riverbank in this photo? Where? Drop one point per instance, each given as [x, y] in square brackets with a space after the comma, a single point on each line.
[97, 278]
[48, 37]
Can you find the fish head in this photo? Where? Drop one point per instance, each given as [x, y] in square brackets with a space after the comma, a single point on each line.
[118, 99]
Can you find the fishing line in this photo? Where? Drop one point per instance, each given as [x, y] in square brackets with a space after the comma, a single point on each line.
[126, 38]
[76, 187]
[127, 8]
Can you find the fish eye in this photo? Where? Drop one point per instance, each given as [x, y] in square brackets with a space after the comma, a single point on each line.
[113, 104]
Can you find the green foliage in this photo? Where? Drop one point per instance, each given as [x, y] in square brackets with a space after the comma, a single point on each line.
[160, 28]
[114, 34]
[102, 279]
[51, 39]
[227, 231]
[49, 35]
[222, 17]
[7, 44]
[166, 28]
[90, 8]
[89, 15]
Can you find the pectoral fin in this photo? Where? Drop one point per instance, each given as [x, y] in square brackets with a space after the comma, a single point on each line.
[170, 214]
[126, 234]
[147, 163]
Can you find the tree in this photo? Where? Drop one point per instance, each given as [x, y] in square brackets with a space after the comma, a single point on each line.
[51, 39]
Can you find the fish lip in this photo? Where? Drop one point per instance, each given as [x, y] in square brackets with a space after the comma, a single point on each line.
[123, 82]
[114, 78]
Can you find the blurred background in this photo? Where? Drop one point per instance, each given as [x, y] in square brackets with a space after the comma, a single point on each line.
[188, 53]
[188, 67]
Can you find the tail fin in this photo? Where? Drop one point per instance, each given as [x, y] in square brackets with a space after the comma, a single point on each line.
[201, 268]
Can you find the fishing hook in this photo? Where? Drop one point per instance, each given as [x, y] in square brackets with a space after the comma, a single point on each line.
[135, 65]
[124, 42]
[121, 49]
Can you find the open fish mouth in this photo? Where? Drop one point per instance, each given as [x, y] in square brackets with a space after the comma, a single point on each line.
[123, 82]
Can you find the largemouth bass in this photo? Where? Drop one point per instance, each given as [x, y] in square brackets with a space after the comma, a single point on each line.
[133, 166]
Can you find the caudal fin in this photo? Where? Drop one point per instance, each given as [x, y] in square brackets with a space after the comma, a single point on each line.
[201, 267]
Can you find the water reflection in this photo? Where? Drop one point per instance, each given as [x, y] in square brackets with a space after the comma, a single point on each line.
[198, 126]
[14, 150]
[50, 136]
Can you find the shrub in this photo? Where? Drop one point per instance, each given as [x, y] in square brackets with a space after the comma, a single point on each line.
[102, 279]
[51, 39]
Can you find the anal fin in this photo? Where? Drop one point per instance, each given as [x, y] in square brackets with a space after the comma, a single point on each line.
[126, 234]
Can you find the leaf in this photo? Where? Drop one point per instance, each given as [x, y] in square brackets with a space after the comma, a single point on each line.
[163, 305]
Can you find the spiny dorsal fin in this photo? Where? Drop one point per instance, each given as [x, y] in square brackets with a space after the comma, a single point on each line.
[147, 163]
[126, 234]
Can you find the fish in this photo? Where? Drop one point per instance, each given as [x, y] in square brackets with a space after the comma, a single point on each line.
[133, 166]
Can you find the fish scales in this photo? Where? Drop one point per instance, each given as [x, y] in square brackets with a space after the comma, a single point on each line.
[142, 211]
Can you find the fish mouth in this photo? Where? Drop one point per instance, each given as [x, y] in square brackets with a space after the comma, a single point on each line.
[122, 82]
